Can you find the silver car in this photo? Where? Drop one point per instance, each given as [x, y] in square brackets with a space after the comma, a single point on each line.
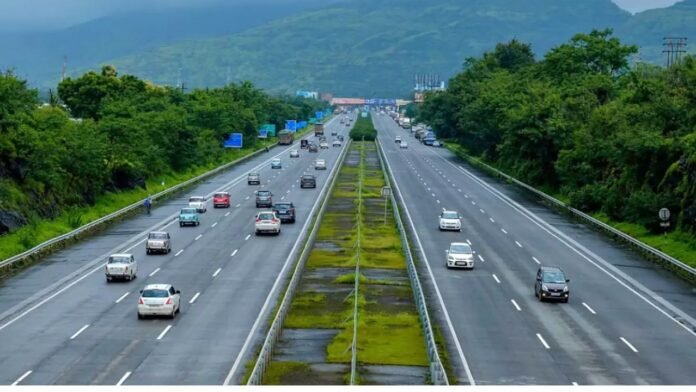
[158, 241]
[121, 266]
[254, 178]
[460, 255]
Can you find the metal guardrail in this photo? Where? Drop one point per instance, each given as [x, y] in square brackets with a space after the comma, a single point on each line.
[437, 370]
[579, 214]
[114, 215]
[274, 332]
[354, 344]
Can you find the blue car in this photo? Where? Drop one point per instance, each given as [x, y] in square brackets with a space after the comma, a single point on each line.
[188, 216]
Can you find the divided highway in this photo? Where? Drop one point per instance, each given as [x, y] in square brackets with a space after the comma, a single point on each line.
[621, 326]
[62, 323]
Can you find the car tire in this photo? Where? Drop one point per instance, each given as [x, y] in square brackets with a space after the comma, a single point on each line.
[198, 223]
[565, 300]
[541, 298]
[256, 233]
[178, 309]
[169, 250]
[148, 251]
[108, 279]
[171, 316]
[140, 316]
[181, 224]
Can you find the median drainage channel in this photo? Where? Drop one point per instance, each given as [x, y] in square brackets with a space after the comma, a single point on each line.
[315, 346]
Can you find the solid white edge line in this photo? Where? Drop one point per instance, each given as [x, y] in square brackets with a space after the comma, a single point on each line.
[281, 274]
[179, 252]
[628, 344]
[25, 375]
[154, 272]
[76, 334]
[121, 298]
[541, 338]
[589, 308]
[450, 326]
[496, 278]
[123, 379]
[516, 306]
[217, 272]
[166, 329]
[195, 297]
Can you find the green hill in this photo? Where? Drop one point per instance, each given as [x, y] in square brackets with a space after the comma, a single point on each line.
[363, 47]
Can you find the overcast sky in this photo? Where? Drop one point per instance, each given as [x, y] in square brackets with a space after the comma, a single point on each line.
[48, 14]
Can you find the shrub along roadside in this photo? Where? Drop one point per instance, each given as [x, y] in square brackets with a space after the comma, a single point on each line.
[363, 129]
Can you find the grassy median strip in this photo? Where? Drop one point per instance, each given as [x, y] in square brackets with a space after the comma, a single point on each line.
[321, 313]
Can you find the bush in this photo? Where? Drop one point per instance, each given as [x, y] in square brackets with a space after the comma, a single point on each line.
[363, 129]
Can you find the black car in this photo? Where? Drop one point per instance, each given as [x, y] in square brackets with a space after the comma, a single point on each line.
[334, 133]
[341, 138]
[551, 284]
[308, 181]
[264, 199]
[304, 143]
[285, 211]
[313, 148]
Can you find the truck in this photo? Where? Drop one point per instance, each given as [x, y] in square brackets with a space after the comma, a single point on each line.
[405, 122]
[319, 129]
[285, 137]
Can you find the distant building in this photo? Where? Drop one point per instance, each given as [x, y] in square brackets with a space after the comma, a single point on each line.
[307, 94]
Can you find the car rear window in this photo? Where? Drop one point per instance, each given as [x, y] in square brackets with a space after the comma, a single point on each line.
[308, 177]
[264, 193]
[463, 248]
[266, 216]
[119, 260]
[197, 199]
[157, 236]
[283, 206]
[219, 195]
[155, 293]
[450, 215]
[188, 211]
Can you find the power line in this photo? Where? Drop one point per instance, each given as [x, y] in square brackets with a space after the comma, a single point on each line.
[675, 47]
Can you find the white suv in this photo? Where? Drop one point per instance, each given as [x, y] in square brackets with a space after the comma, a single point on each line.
[197, 202]
[159, 300]
[450, 220]
[267, 222]
[460, 255]
[121, 266]
[320, 164]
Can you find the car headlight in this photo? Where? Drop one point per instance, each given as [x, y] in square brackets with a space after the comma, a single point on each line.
[565, 289]
[543, 287]
[450, 258]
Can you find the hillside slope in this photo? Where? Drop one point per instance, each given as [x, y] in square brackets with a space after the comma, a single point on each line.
[371, 48]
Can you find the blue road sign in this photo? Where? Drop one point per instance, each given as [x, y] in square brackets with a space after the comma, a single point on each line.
[291, 125]
[263, 133]
[234, 141]
[319, 115]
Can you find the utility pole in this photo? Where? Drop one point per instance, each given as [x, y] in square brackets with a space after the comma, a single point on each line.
[674, 48]
[64, 73]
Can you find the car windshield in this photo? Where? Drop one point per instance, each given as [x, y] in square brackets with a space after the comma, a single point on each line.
[554, 277]
[119, 259]
[157, 236]
[267, 216]
[196, 199]
[450, 215]
[188, 211]
[155, 293]
[221, 195]
[460, 248]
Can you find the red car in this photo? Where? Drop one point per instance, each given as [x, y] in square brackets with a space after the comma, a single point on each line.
[221, 199]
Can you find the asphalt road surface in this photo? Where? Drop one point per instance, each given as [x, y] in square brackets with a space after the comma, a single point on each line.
[62, 323]
[622, 325]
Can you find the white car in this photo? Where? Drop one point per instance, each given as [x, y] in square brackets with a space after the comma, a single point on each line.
[276, 164]
[320, 164]
[159, 300]
[267, 222]
[403, 144]
[121, 266]
[450, 220]
[337, 143]
[460, 255]
[294, 154]
[197, 202]
[324, 144]
[397, 139]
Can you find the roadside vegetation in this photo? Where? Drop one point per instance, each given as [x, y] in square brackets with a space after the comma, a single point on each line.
[363, 129]
[106, 141]
[389, 331]
[612, 139]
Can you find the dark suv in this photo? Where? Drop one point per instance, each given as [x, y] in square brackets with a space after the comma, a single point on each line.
[551, 283]
[285, 211]
[313, 147]
[308, 181]
[264, 199]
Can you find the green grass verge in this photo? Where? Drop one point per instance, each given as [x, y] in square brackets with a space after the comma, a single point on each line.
[284, 373]
[391, 339]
